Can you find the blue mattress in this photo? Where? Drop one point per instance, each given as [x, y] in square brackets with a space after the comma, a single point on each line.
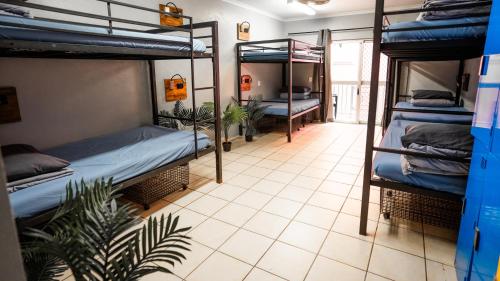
[275, 56]
[431, 117]
[436, 34]
[67, 33]
[388, 165]
[279, 107]
[122, 156]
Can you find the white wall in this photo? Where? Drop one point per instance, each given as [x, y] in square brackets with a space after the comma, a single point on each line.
[66, 100]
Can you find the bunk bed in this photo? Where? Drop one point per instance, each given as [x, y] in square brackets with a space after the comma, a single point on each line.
[131, 156]
[398, 107]
[273, 51]
[431, 199]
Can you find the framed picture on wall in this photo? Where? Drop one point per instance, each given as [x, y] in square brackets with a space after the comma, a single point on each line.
[9, 107]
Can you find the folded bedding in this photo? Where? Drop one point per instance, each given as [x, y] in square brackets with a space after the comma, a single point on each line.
[432, 102]
[24, 161]
[431, 94]
[295, 96]
[14, 10]
[452, 14]
[35, 180]
[411, 164]
[297, 89]
[437, 139]
[449, 136]
[388, 165]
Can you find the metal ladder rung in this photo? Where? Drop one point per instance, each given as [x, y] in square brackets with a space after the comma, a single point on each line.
[204, 88]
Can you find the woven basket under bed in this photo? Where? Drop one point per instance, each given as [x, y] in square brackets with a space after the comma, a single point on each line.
[420, 208]
[159, 186]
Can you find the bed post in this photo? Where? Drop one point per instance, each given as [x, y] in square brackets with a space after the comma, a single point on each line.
[283, 75]
[154, 97]
[399, 65]
[389, 94]
[217, 110]
[238, 73]
[372, 112]
[193, 89]
[458, 92]
[290, 85]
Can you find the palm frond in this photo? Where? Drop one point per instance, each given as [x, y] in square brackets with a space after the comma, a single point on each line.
[42, 267]
[93, 235]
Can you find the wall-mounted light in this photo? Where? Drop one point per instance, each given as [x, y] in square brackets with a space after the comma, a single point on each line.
[305, 8]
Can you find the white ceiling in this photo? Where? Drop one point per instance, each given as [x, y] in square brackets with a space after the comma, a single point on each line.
[280, 10]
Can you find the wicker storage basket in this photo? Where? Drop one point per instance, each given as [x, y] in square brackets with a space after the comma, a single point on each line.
[159, 186]
[420, 208]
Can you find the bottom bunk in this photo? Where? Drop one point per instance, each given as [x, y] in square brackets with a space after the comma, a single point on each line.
[128, 157]
[279, 107]
[431, 198]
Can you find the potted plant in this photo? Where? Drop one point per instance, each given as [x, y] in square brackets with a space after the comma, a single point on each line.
[97, 238]
[233, 114]
[255, 112]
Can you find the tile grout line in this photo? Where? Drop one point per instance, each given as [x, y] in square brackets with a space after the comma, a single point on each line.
[239, 228]
[335, 220]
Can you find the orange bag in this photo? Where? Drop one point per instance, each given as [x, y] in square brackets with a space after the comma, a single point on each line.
[246, 82]
[167, 20]
[175, 89]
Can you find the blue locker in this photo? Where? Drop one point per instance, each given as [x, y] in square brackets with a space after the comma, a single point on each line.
[495, 147]
[478, 246]
[487, 248]
[493, 40]
[470, 212]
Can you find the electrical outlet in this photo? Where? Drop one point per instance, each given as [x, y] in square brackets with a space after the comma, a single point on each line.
[259, 83]
[310, 79]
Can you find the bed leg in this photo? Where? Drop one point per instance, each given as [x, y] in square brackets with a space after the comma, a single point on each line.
[146, 207]
[184, 186]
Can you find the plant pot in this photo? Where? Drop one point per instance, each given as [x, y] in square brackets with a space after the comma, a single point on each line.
[249, 138]
[226, 146]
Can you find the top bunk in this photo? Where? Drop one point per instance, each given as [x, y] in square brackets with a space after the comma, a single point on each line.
[444, 30]
[279, 51]
[97, 35]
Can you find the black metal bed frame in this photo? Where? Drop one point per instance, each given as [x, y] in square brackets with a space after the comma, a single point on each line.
[36, 49]
[293, 57]
[437, 50]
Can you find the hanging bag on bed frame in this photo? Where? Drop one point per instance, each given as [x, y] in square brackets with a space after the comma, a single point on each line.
[175, 88]
[167, 20]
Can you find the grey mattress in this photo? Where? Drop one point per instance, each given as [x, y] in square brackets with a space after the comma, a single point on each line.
[76, 34]
[279, 107]
[122, 156]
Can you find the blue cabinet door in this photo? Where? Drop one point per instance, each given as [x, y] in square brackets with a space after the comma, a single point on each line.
[470, 213]
[485, 260]
[495, 146]
[492, 39]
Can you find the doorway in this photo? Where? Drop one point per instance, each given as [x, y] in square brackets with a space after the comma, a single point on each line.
[351, 71]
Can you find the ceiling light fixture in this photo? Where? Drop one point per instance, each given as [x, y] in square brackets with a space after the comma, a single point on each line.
[303, 6]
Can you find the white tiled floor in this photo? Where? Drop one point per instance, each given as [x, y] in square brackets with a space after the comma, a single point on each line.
[290, 211]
